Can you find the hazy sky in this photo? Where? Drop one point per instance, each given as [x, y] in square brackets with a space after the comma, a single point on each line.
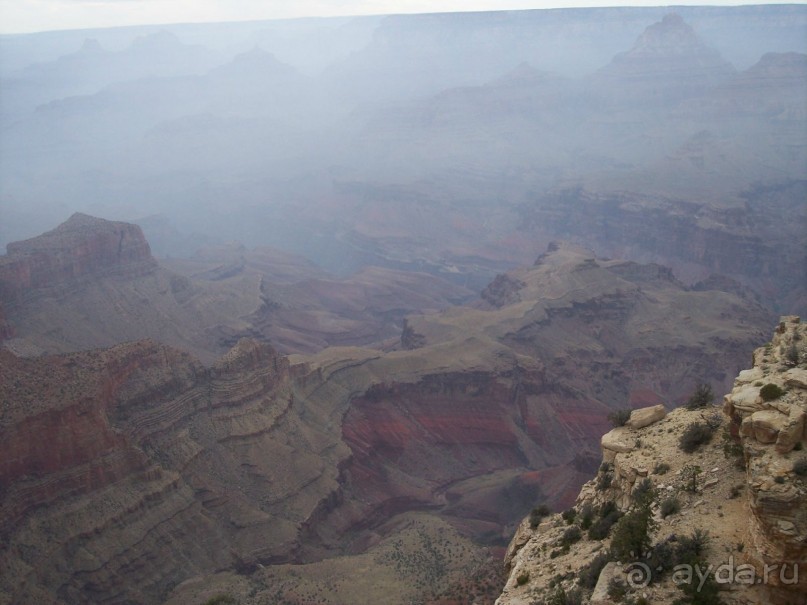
[40, 15]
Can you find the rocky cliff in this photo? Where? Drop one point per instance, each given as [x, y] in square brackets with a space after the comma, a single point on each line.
[727, 503]
[275, 479]
[93, 283]
[126, 470]
[695, 238]
[82, 247]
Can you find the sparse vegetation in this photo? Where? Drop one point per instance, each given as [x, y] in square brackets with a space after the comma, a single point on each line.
[694, 436]
[770, 392]
[669, 506]
[562, 597]
[537, 515]
[644, 492]
[733, 450]
[523, 578]
[604, 477]
[588, 575]
[632, 532]
[689, 477]
[661, 468]
[619, 417]
[222, 599]
[586, 516]
[800, 467]
[691, 549]
[617, 590]
[697, 591]
[568, 515]
[570, 536]
[701, 398]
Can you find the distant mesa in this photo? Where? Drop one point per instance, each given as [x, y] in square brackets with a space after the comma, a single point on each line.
[80, 247]
[91, 46]
[668, 62]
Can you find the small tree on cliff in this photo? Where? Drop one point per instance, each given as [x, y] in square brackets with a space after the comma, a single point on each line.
[632, 533]
[701, 398]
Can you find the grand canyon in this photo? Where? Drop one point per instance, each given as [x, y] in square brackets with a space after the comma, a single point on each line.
[319, 310]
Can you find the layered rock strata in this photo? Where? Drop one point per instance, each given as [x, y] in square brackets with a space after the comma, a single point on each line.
[745, 487]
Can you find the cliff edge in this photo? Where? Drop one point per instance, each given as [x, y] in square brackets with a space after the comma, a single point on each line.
[691, 506]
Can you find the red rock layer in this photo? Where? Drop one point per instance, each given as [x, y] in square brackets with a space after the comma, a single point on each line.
[81, 247]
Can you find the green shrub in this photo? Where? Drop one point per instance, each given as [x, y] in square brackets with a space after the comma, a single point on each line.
[690, 549]
[699, 591]
[644, 492]
[588, 575]
[701, 398]
[523, 578]
[632, 534]
[792, 354]
[586, 516]
[617, 590]
[800, 467]
[689, 477]
[221, 599]
[568, 515]
[561, 597]
[537, 515]
[606, 508]
[619, 417]
[661, 468]
[604, 481]
[695, 435]
[570, 536]
[770, 392]
[600, 529]
[669, 506]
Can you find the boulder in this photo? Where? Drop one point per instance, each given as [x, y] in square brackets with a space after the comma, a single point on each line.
[746, 399]
[600, 594]
[791, 433]
[646, 416]
[796, 378]
[767, 424]
[748, 376]
[617, 441]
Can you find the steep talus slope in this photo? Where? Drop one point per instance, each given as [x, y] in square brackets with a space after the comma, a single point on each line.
[744, 487]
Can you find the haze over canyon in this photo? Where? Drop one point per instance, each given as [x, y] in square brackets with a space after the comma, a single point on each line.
[317, 310]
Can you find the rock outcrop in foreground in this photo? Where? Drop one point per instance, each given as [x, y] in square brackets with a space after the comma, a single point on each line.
[733, 509]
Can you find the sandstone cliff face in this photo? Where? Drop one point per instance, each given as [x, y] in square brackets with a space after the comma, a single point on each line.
[749, 495]
[771, 427]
